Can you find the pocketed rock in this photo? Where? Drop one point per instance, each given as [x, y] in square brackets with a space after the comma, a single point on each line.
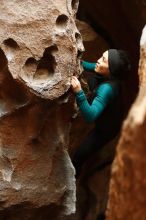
[41, 41]
[38, 54]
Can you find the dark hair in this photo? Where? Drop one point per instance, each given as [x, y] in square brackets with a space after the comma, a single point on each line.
[119, 63]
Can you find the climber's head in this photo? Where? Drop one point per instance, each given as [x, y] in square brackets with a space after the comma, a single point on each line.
[113, 63]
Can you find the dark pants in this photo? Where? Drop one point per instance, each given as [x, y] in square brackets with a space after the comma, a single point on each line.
[88, 147]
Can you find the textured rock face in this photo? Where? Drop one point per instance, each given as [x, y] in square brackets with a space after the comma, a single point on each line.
[127, 188]
[39, 49]
[41, 43]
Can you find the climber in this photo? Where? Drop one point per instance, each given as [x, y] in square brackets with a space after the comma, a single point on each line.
[104, 106]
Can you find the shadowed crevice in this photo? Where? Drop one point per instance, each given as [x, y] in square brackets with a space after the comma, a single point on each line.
[11, 43]
[47, 64]
[75, 4]
[61, 22]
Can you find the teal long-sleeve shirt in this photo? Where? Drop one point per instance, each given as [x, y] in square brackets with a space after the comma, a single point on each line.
[88, 66]
[90, 112]
[104, 94]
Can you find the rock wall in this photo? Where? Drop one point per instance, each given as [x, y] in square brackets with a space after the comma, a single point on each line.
[40, 49]
[33, 33]
[39, 52]
[127, 197]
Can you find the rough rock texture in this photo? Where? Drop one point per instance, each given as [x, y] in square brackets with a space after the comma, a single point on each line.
[41, 42]
[39, 49]
[127, 189]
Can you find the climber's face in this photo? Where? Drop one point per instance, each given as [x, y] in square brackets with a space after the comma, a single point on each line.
[102, 65]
